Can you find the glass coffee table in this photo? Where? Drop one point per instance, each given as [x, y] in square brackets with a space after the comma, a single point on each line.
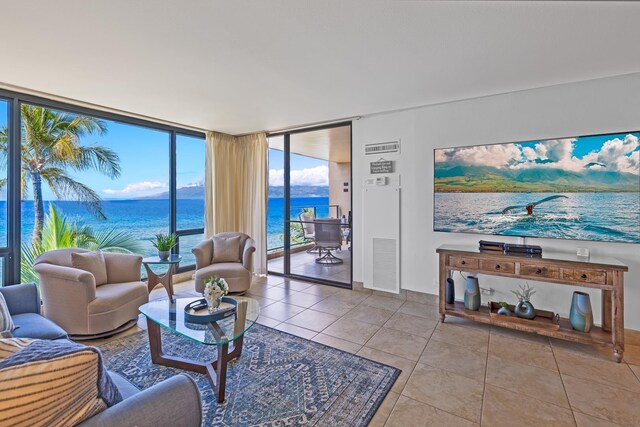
[227, 335]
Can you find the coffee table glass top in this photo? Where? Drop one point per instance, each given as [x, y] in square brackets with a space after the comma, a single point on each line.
[173, 259]
[171, 316]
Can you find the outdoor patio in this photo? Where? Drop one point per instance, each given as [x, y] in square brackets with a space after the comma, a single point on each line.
[304, 264]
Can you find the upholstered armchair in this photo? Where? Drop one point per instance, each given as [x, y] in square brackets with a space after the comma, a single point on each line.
[91, 305]
[226, 255]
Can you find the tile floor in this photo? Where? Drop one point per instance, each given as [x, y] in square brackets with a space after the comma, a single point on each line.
[457, 373]
[304, 264]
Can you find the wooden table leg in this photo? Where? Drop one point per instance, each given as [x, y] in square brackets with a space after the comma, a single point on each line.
[617, 332]
[606, 310]
[166, 280]
[443, 279]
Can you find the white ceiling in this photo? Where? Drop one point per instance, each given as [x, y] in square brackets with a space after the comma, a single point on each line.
[243, 66]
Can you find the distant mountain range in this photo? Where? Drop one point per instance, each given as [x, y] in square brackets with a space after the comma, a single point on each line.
[486, 179]
[197, 192]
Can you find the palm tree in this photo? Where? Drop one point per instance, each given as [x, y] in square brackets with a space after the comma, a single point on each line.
[58, 232]
[50, 146]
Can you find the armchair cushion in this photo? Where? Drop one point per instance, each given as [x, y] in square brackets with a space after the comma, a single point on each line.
[112, 296]
[226, 249]
[6, 321]
[93, 262]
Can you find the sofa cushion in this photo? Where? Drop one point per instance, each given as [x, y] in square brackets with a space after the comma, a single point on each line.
[113, 296]
[33, 325]
[7, 326]
[226, 270]
[226, 249]
[54, 383]
[93, 262]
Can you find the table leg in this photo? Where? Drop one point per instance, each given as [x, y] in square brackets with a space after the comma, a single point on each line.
[166, 280]
[442, 279]
[606, 310]
[618, 316]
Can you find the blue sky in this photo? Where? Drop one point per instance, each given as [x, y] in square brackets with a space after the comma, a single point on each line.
[304, 170]
[144, 160]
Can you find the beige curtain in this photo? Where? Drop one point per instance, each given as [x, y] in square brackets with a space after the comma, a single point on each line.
[236, 189]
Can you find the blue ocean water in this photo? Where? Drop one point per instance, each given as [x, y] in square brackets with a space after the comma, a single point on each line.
[275, 215]
[612, 217]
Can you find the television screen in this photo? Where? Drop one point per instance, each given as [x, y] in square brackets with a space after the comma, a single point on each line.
[585, 188]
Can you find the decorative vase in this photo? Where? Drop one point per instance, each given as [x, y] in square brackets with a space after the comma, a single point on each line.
[449, 292]
[525, 310]
[213, 301]
[504, 311]
[472, 294]
[164, 255]
[581, 315]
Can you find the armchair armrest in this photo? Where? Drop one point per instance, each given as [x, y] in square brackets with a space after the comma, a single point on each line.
[203, 253]
[122, 267]
[22, 298]
[175, 401]
[247, 254]
[59, 282]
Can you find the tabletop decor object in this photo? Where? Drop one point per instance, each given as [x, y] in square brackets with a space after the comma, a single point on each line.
[164, 243]
[524, 308]
[581, 315]
[194, 311]
[472, 294]
[214, 289]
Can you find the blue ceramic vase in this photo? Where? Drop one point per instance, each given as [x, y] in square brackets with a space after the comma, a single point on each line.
[581, 315]
[525, 310]
[472, 294]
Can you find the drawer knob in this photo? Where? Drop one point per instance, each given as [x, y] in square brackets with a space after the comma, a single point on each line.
[463, 262]
[497, 266]
[539, 271]
[583, 276]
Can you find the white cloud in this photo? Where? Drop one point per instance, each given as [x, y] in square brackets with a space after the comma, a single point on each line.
[138, 187]
[529, 153]
[318, 176]
[615, 154]
[498, 155]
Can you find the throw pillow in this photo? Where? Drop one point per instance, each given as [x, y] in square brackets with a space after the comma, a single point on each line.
[93, 262]
[6, 322]
[54, 383]
[226, 249]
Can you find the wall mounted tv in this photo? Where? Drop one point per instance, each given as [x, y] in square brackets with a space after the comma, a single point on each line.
[584, 188]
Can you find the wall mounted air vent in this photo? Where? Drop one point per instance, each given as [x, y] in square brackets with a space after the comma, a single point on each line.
[382, 147]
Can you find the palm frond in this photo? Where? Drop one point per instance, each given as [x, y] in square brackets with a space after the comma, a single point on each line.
[113, 240]
[65, 187]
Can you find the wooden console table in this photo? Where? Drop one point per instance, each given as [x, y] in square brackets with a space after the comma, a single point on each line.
[606, 274]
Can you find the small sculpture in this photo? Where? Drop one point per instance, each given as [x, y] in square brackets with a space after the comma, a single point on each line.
[524, 308]
[504, 309]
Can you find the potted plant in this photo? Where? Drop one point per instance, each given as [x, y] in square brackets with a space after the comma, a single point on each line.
[214, 289]
[164, 243]
[524, 308]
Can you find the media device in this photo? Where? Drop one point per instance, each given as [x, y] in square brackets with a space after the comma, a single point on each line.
[582, 188]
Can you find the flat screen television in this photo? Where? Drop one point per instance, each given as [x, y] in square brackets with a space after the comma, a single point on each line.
[583, 188]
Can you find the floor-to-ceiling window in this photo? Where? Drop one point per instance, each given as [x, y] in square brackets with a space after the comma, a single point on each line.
[309, 210]
[94, 180]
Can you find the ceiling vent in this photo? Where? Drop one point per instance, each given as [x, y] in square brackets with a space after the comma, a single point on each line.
[382, 147]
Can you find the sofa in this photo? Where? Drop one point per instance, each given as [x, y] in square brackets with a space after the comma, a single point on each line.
[173, 402]
[23, 302]
[236, 269]
[85, 309]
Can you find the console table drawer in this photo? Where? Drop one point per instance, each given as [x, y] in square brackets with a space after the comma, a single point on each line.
[502, 267]
[588, 276]
[534, 270]
[463, 263]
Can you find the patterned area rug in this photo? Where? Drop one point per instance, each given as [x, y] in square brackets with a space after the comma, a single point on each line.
[280, 379]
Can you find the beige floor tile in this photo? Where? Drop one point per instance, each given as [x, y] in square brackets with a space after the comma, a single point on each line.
[262, 301]
[459, 335]
[413, 325]
[302, 300]
[636, 370]
[373, 315]
[391, 304]
[409, 412]
[273, 280]
[601, 352]
[273, 293]
[332, 306]
[601, 401]
[455, 358]
[267, 321]
[504, 408]
[445, 390]
[538, 383]
[468, 323]
[383, 412]
[294, 285]
[525, 352]
[321, 290]
[398, 343]
[351, 330]
[296, 330]
[583, 420]
[313, 320]
[522, 336]
[405, 365]
[632, 353]
[349, 298]
[597, 370]
[338, 343]
[631, 337]
[421, 310]
[280, 311]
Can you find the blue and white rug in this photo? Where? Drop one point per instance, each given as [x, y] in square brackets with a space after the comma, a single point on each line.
[280, 379]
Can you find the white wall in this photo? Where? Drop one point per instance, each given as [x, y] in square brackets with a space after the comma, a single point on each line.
[591, 107]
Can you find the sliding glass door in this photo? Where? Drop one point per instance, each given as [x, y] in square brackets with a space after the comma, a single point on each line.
[309, 214]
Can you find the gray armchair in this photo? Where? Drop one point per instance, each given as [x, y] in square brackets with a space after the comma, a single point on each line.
[72, 299]
[23, 302]
[173, 402]
[236, 272]
[328, 238]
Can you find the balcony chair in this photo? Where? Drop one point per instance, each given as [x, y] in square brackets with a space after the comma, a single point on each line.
[308, 229]
[89, 306]
[328, 238]
[226, 255]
